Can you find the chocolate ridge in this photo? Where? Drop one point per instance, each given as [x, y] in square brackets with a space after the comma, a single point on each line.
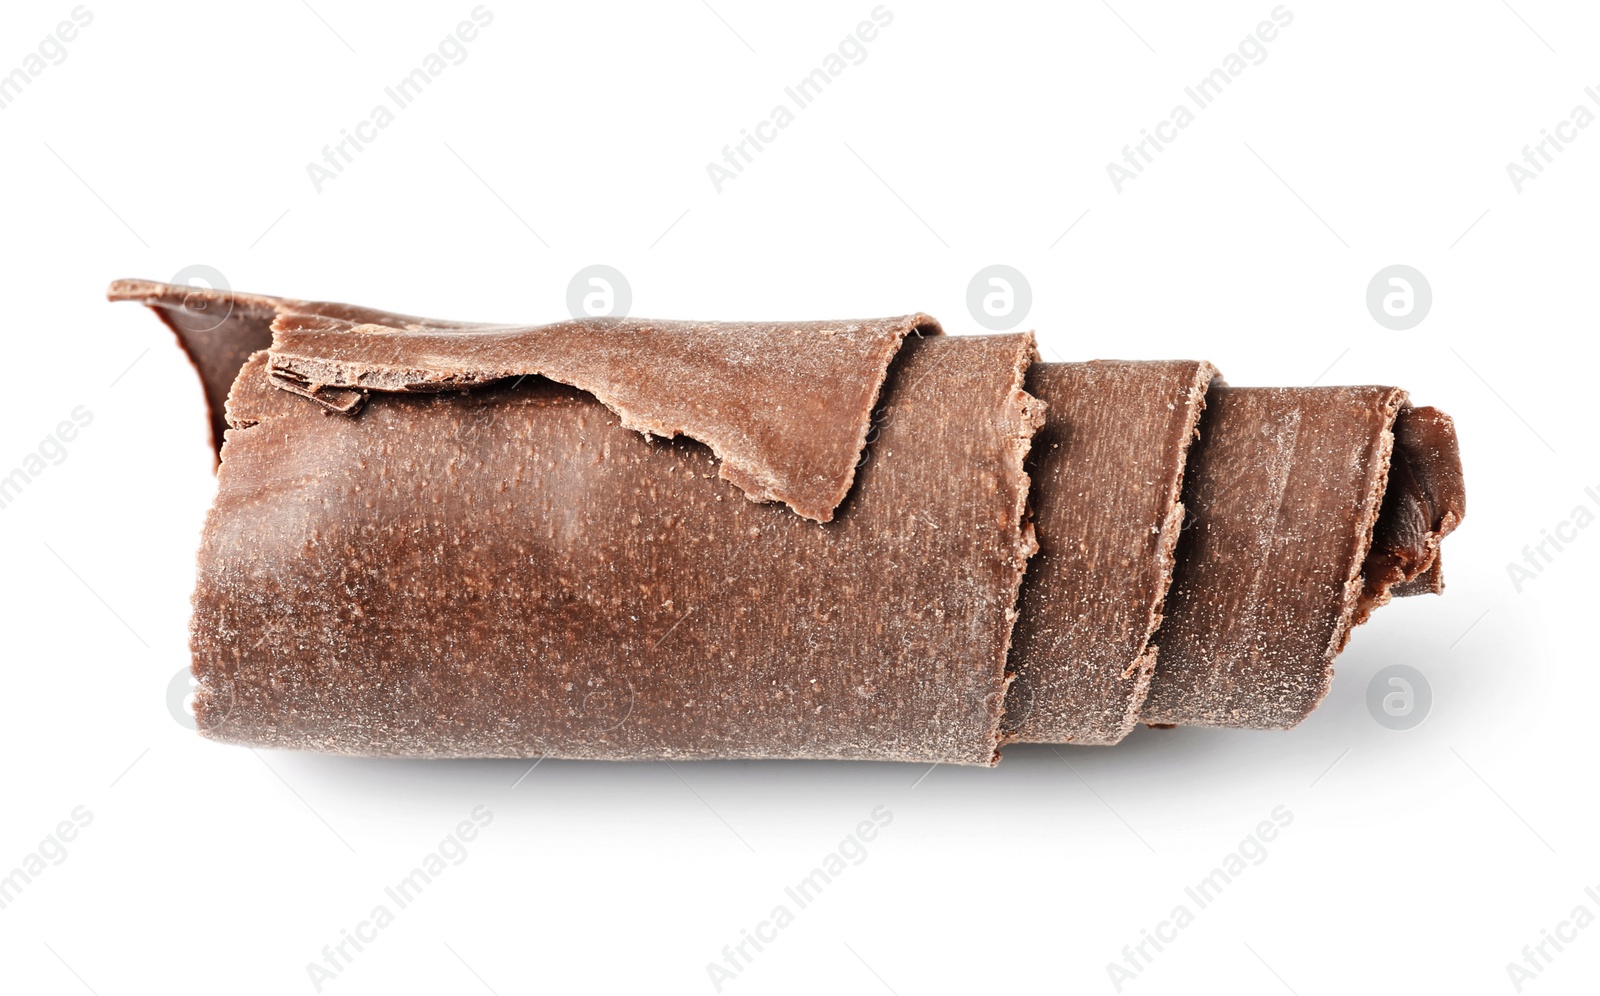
[1286, 487]
[1109, 468]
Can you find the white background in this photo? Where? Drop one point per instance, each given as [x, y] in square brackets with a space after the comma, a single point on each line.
[1419, 861]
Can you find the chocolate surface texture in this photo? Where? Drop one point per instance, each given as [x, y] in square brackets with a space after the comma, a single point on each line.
[629, 539]
[1108, 468]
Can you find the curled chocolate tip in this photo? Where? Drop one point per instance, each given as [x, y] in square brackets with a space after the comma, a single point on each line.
[217, 329]
[200, 300]
[1425, 500]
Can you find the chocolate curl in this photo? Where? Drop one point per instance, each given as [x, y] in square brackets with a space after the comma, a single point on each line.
[472, 559]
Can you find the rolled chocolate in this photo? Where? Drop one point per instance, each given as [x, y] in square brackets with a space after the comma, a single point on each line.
[633, 539]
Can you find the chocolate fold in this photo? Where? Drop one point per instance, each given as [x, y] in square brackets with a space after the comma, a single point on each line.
[785, 406]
